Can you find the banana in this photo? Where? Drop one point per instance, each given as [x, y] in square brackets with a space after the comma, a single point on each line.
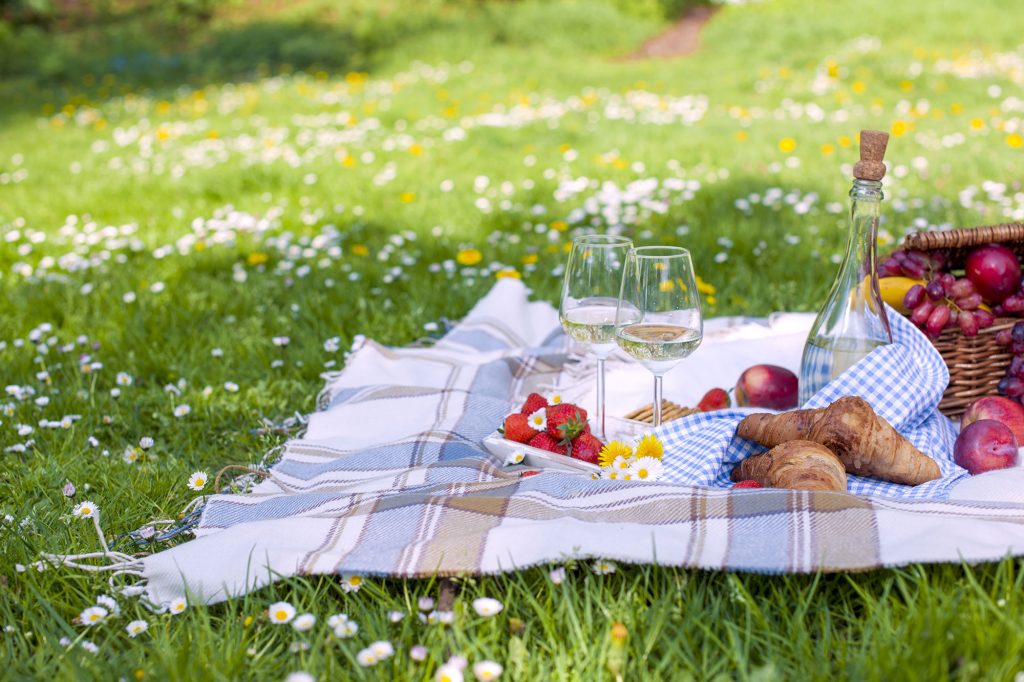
[893, 289]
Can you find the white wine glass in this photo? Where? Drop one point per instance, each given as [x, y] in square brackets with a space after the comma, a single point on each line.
[658, 320]
[590, 294]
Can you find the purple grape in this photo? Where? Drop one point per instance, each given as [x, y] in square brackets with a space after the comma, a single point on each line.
[947, 280]
[1016, 368]
[953, 315]
[1017, 333]
[1004, 337]
[984, 317]
[922, 312]
[1013, 304]
[961, 288]
[1011, 386]
[968, 324]
[969, 302]
[935, 290]
[937, 320]
[1017, 348]
[913, 270]
[999, 310]
[913, 297]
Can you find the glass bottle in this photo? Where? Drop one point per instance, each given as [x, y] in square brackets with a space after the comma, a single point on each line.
[852, 322]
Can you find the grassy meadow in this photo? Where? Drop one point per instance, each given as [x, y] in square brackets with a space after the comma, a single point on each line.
[190, 236]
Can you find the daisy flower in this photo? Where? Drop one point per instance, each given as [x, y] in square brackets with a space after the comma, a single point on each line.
[555, 399]
[124, 379]
[299, 676]
[85, 510]
[90, 646]
[93, 615]
[621, 463]
[131, 455]
[182, 410]
[485, 606]
[603, 567]
[109, 603]
[457, 661]
[612, 474]
[197, 481]
[304, 623]
[649, 446]
[351, 582]
[557, 575]
[281, 612]
[230, 387]
[395, 616]
[418, 653]
[439, 617]
[146, 442]
[366, 658]
[515, 457]
[382, 650]
[136, 628]
[448, 673]
[612, 451]
[538, 420]
[425, 603]
[346, 629]
[336, 620]
[178, 606]
[485, 671]
[645, 469]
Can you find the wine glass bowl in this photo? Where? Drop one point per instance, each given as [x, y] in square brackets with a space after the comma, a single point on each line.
[590, 295]
[658, 318]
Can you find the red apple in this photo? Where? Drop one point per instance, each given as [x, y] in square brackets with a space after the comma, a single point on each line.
[985, 445]
[1004, 410]
[767, 386]
[994, 270]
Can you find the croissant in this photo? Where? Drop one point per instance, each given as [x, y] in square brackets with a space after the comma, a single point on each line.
[795, 464]
[865, 443]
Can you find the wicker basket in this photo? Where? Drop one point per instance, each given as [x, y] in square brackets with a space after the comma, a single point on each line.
[976, 364]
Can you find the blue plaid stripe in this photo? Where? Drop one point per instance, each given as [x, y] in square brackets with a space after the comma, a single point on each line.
[903, 382]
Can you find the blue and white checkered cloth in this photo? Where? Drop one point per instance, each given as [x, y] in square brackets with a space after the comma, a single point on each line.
[903, 382]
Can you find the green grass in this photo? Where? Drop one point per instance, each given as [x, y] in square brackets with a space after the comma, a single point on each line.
[247, 146]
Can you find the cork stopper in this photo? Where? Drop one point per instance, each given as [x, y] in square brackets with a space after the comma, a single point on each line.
[872, 150]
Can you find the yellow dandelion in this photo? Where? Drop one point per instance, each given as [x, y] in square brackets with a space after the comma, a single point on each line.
[899, 128]
[906, 86]
[666, 286]
[858, 86]
[360, 250]
[530, 259]
[469, 257]
[508, 273]
[740, 135]
[844, 141]
[649, 446]
[559, 226]
[415, 150]
[611, 450]
[257, 258]
[1015, 141]
[787, 145]
[827, 149]
[407, 197]
[705, 288]
[956, 108]
[348, 161]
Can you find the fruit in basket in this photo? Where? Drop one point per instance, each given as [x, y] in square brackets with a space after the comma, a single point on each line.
[768, 386]
[518, 429]
[985, 445]
[894, 290]
[534, 402]
[994, 270]
[545, 442]
[715, 399]
[586, 448]
[911, 263]
[566, 421]
[1003, 410]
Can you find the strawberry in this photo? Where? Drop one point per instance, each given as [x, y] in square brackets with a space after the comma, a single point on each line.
[566, 421]
[586, 448]
[534, 402]
[545, 442]
[715, 399]
[518, 429]
[747, 484]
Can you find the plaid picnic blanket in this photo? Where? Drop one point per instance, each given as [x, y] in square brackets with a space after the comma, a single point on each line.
[391, 479]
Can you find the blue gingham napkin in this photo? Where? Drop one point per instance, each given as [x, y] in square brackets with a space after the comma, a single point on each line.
[903, 382]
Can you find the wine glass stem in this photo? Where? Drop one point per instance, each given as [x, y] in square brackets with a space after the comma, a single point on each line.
[600, 398]
[657, 400]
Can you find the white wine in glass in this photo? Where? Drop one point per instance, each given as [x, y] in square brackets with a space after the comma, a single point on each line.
[658, 318]
[590, 296]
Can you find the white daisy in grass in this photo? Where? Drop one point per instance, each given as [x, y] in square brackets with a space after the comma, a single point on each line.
[557, 575]
[230, 387]
[136, 628]
[603, 567]
[485, 606]
[90, 646]
[109, 603]
[296, 647]
[281, 612]
[645, 469]
[178, 606]
[382, 650]
[457, 661]
[198, 479]
[448, 673]
[485, 671]
[347, 629]
[351, 582]
[131, 455]
[146, 442]
[299, 676]
[425, 603]
[396, 616]
[418, 653]
[366, 658]
[439, 617]
[538, 420]
[182, 410]
[304, 622]
[515, 457]
[85, 510]
[93, 615]
[336, 620]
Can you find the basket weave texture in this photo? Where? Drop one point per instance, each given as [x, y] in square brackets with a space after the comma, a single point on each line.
[976, 364]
